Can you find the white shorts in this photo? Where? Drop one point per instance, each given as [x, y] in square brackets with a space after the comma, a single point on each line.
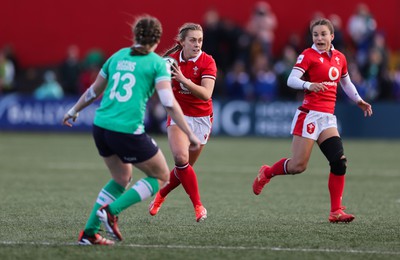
[201, 126]
[310, 124]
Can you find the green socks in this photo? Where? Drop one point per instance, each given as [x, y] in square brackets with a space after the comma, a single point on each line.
[110, 192]
[141, 190]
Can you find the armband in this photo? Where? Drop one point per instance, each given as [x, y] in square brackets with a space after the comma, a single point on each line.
[90, 95]
[166, 97]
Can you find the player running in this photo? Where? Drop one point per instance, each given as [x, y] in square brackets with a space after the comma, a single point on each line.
[193, 84]
[318, 71]
[127, 80]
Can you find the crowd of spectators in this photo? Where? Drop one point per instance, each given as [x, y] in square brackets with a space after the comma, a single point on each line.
[248, 67]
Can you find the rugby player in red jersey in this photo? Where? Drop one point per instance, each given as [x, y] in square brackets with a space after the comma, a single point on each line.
[318, 71]
[194, 73]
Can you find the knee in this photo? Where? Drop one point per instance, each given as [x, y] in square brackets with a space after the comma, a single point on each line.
[123, 180]
[332, 148]
[339, 167]
[162, 183]
[163, 179]
[181, 159]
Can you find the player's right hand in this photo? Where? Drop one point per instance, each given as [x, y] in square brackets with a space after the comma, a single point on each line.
[67, 117]
[194, 143]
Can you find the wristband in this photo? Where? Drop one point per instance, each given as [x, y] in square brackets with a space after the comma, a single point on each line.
[72, 112]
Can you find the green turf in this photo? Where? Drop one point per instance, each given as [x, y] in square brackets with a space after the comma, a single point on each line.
[48, 183]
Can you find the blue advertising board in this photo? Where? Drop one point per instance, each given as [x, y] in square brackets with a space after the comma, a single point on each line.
[232, 118]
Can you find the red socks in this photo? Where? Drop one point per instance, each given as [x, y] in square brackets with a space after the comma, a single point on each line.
[278, 168]
[335, 183]
[336, 187]
[185, 175]
[188, 178]
[172, 184]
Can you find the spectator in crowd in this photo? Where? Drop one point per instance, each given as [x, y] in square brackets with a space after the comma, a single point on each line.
[50, 88]
[339, 41]
[308, 41]
[212, 27]
[261, 26]
[11, 56]
[7, 73]
[396, 82]
[237, 82]
[225, 41]
[361, 28]
[282, 67]
[295, 41]
[91, 66]
[379, 43]
[70, 70]
[359, 82]
[264, 80]
[375, 74]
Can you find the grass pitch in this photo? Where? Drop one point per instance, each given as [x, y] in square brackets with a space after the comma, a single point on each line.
[48, 183]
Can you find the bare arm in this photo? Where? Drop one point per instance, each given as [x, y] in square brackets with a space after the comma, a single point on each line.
[87, 98]
[203, 91]
[175, 112]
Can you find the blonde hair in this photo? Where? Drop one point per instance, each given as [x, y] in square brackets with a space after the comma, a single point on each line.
[183, 31]
[322, 21]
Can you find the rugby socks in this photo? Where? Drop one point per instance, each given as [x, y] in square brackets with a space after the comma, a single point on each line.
[188, 178]
[141, 190]
[336, 187]
[172, 184]
[279, 168]
[109, 193]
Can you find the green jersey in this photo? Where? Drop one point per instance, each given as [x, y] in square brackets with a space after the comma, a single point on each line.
[131, 82]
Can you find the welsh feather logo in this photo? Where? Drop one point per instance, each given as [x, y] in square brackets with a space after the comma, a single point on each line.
[310, 128]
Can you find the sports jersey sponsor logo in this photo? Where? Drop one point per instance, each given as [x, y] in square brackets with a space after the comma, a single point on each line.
[300, 58]
[125, 65]
[329, 83]
[333, 73]
[310, 128]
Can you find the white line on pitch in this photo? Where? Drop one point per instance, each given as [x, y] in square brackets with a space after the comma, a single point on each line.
[320, 250]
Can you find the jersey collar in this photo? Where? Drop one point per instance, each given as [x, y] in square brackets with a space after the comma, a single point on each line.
[192, 59]
[320, 52]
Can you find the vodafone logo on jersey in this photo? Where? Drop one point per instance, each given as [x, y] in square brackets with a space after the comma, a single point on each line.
[333, 73]
[184, 90]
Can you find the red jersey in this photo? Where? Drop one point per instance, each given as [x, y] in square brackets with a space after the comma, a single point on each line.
[320, 68]
[203, 66]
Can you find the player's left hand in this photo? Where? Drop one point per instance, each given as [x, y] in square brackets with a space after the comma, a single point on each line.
[177, 73]
[68, 116]
[366, 107]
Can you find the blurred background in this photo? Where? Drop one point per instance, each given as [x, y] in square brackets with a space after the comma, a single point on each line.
[50, 53]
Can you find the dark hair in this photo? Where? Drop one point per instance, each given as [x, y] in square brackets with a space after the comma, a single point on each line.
[322, 21]
[147, 31]
[183, 31]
